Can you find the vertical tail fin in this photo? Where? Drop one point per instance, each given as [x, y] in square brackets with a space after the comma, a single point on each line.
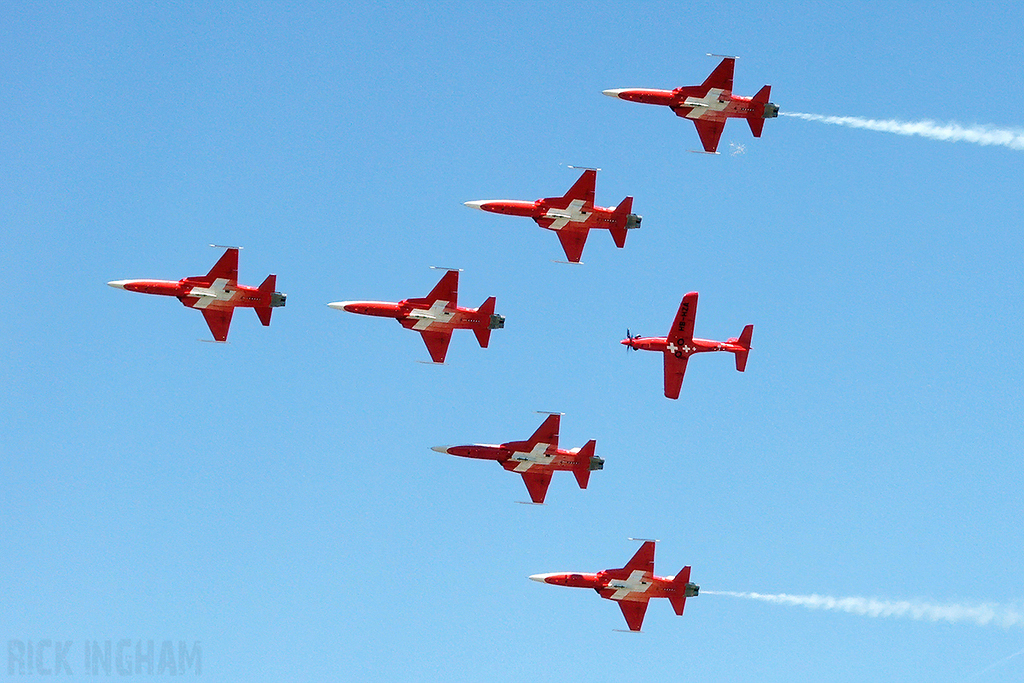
[621, 221]
[582, 469]
[682, 589]
[759, 101]
[483, 332]
[744, 341]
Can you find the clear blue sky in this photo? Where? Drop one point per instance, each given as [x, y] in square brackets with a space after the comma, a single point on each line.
[276, 498]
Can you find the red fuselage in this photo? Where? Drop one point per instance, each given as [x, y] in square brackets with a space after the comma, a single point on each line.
[684, 350]
[695, 102]
[520, 457]
[219, 294]
[576, 215]
[620, 584]
[419, 314]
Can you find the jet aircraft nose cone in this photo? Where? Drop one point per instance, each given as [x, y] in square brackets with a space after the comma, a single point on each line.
[339, 305]
[478, 204]
[118, 283]
[440, 449]
[613, 93]
[540, 578]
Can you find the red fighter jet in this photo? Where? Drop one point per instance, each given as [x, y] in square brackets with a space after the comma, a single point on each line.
[435, 315]
[632, 586]
[536, 458]
[709, 104]
[215, 294]
[571, 216]
[680, 344]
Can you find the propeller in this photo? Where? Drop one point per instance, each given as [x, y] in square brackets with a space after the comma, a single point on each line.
[630, 337]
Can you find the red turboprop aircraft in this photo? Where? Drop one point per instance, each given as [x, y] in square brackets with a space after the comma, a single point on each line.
[571, 216]
[632, 586]
[680, 344]
[435, 315]
[215, 294]
[536, 458]
[709, 104]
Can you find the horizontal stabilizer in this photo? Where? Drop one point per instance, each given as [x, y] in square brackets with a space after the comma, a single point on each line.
[270, 284]
[759, 101]
[582, 469]
[744, 341]
[678, 597]
[483, 332]
[264, 314]
[763, 95]
[582, 476]
[620, 220]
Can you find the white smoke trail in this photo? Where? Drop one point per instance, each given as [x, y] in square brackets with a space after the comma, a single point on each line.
[988, 668]
[983, 614]
[950, 132]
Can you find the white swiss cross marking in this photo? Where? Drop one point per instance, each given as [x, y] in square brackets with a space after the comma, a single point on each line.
[425, 317]
[702, 105]
[536, 456]
[215, 292]
[570, 214]
[634, 584]
[685, 348]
